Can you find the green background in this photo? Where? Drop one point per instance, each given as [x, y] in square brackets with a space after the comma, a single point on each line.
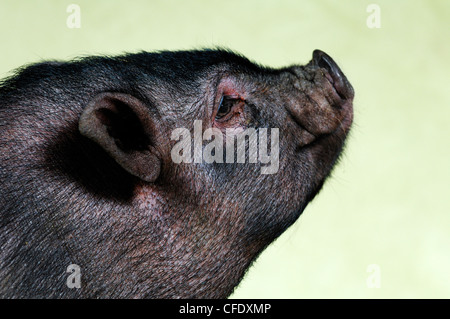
[387, 202]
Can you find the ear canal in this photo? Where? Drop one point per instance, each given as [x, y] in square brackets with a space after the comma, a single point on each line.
[122, 125]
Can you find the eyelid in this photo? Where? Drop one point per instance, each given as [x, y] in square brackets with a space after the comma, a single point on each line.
[232, 96]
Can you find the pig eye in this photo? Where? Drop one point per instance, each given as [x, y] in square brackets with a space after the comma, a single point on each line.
[225, 106]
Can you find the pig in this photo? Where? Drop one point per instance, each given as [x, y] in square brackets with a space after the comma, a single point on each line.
[92, 203]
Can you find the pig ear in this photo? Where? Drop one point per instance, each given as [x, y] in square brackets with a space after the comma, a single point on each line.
[121, 124]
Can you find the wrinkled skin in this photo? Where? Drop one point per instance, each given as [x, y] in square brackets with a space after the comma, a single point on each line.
[115, 203]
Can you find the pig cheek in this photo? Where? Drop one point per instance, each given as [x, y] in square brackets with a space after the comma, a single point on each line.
[147, 198]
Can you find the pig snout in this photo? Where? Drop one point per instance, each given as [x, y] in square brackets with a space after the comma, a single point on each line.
[323, 99]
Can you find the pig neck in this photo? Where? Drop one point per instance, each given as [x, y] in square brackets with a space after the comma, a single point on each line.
[202, 248]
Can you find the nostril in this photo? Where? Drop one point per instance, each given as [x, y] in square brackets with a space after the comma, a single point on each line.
[320, 59]
[334, 74]
[323, 62]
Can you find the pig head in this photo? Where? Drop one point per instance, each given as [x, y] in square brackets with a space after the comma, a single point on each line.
[89, 179]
